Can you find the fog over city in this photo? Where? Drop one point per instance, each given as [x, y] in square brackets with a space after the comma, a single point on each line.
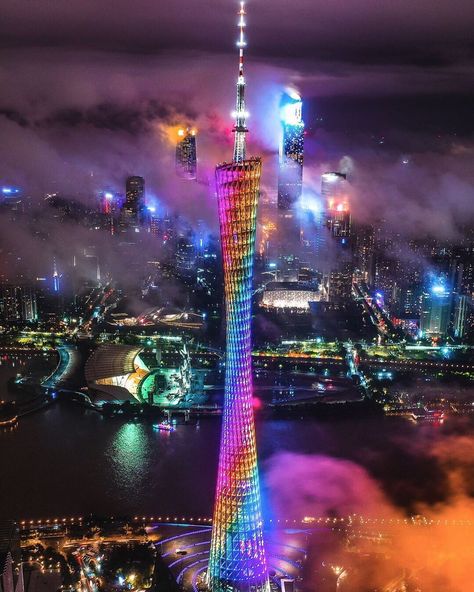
[118, 312]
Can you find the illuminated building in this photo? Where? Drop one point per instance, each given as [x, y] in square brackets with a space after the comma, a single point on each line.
[125, 372]
[290, 174]
[237, 560]
[106, 202]
[335, 191]
[185, 257]
[134, 199]
[463, 316]
[9, 304]
[340, 282]
[186, 154]
[293, 296]
[28, 304]
[56, 277]
[364, 253]
[18, 304]
[7, 575]
[290, 184]
[435, 311]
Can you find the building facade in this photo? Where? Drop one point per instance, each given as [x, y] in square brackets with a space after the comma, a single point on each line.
[186, 161]
[290, 173]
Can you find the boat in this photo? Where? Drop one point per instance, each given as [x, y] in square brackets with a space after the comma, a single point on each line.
[164, 426]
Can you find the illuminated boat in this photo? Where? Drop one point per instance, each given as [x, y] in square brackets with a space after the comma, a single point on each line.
[164, 426]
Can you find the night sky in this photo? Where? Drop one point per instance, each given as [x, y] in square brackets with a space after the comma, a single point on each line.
[92, 91]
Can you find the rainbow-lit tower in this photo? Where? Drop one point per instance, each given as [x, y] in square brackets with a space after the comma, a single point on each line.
[237, 561]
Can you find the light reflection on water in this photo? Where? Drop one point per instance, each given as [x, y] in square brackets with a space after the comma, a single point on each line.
[129, 453]
[69, 461]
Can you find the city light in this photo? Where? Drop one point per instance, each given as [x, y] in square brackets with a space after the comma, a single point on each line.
[237, 551]
[291, 151]
[8, 191]
[290, 113]
[311, 203]
[237, 559]
[311, 306]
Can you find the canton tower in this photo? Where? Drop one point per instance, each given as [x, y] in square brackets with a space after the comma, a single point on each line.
[237, 561]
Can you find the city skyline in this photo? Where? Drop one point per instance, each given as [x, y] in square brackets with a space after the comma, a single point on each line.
[236, 297]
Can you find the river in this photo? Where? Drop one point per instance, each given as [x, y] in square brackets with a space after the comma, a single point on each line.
[67, 461]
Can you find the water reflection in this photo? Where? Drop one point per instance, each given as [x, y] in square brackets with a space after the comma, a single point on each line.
[129, 453]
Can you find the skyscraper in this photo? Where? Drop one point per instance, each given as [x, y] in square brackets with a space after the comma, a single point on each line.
[18, 304]
[186, 154]
[463, 315]
[237, 559]
[436, 310]
[134, 199]
[335, 191]
[290, 174]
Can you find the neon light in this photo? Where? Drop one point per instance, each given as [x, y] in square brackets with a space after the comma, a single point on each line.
[237, 558]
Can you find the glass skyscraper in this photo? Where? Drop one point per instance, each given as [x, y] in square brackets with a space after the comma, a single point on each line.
[290, 173]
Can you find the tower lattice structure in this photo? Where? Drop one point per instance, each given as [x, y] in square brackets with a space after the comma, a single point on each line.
[237, 560]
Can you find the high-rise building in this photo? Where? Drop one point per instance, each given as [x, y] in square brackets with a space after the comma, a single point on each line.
[436, 310]
[364, 253]
[56, 277]
[134, 199]
[9, 304]
[290, 173]
[237, 559]
[335, 191]
[340, 282]
[28, 304]
[186, 162]
[463, 316]
[18, 304]
[109, 208]
[186, 257]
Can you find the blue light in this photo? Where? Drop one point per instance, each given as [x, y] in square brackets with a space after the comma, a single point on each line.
[438, 289]
[10, 190]
[291, 114]
[446, 351]
[291, 109]
[311, 203]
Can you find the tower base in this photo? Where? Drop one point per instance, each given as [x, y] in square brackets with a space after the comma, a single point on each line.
[226, 586]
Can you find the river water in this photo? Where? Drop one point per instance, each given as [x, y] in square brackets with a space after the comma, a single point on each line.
[66, 461]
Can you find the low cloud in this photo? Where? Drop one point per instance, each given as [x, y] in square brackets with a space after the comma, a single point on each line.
[435, 558]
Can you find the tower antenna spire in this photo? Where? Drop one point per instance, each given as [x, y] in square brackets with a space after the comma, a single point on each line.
[240, 114]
